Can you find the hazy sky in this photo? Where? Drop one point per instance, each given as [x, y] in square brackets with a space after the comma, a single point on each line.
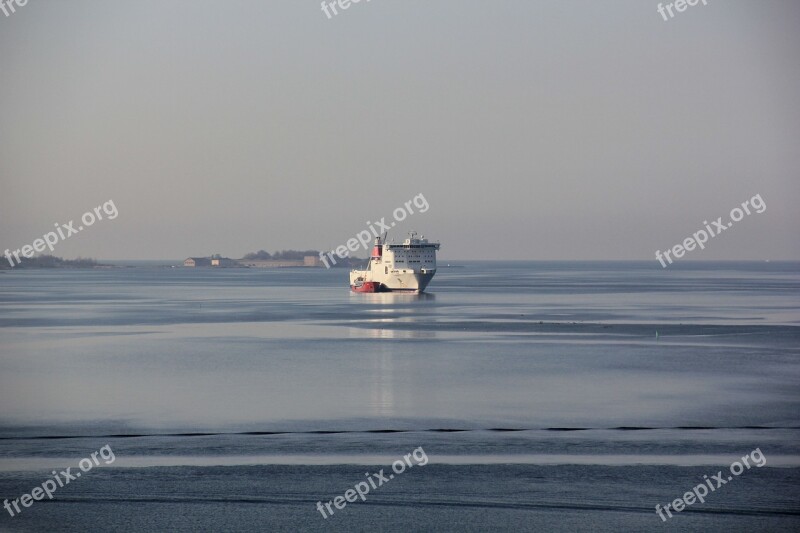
[535, 130]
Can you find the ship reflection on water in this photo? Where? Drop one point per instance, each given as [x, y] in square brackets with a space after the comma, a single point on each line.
[382, 389]
[390, 318]
[391, 297]
[400, 325]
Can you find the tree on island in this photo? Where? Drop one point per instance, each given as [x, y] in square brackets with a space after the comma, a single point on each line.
[261, 255]
[293, 255]
[283, 255]
[299, 255]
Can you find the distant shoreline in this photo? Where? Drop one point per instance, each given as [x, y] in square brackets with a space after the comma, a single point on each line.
[84, 264]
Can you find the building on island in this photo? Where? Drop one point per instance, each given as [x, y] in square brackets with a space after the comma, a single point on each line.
[219, 261]
[197, 262]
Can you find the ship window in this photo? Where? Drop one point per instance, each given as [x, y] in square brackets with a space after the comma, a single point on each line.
[387, 270]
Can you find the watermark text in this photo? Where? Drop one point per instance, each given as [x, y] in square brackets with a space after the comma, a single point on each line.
[7, 6]
[63, 231]
[679, 5]
[361, 489]
[700, 492]
[700, 237]
[364, 237]
[63, 479]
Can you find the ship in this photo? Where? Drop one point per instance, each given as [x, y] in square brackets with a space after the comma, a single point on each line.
[406, 267]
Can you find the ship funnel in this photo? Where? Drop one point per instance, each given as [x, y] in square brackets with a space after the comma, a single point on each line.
[377, 250]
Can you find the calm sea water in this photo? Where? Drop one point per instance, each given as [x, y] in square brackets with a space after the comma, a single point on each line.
[547, 396]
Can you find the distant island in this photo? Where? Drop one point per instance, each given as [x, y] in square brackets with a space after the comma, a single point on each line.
[264, 259]
[259, 259]
[51, 261]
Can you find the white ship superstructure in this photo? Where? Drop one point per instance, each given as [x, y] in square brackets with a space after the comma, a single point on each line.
[409, 266]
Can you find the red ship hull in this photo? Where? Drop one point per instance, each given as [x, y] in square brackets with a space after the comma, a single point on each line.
[368, 286]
